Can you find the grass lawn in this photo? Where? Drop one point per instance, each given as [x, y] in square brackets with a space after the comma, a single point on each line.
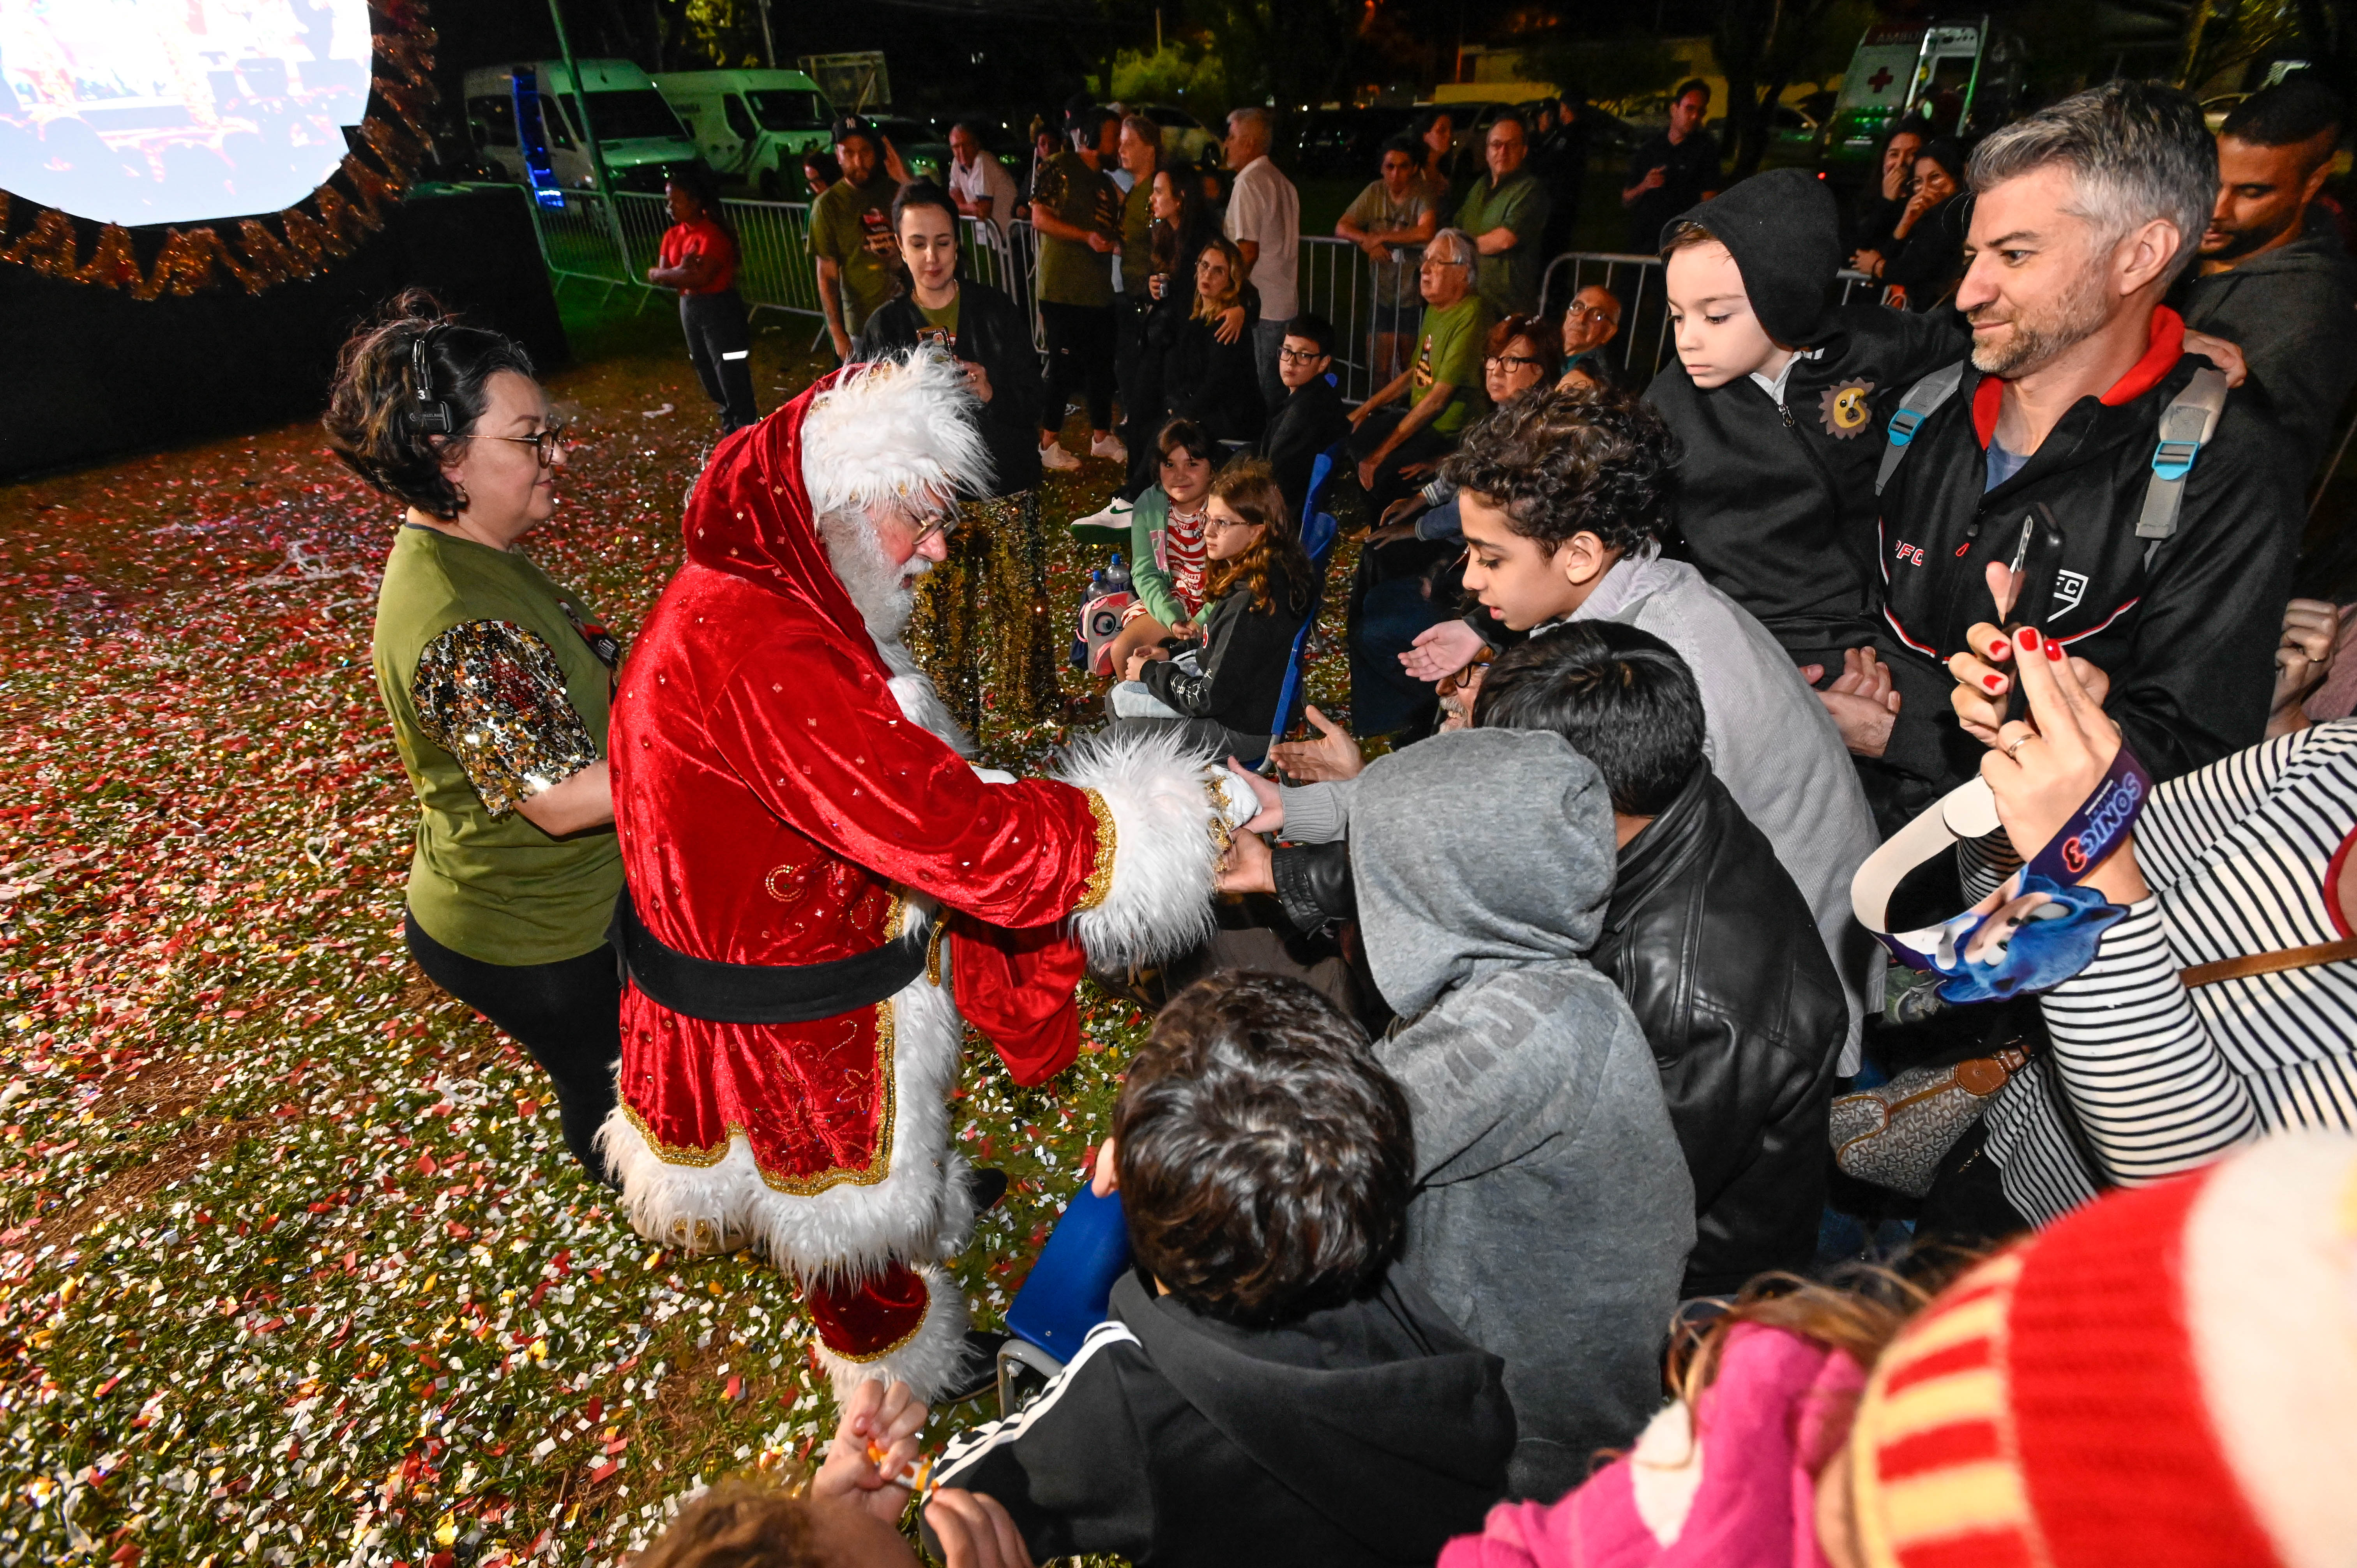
[294, 1267]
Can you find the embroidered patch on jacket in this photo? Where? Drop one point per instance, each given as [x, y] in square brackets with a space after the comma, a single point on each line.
[1844, 412]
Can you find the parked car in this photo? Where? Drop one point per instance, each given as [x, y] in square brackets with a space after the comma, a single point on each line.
[1185, 139]
[922, 147]
[534, 101]
[752, 126]
[1347, 142]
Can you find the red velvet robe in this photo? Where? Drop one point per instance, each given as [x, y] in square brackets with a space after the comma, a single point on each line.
[769, 796]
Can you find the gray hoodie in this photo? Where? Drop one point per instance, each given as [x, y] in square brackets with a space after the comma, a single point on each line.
[1553, 1211]
[2293, 312]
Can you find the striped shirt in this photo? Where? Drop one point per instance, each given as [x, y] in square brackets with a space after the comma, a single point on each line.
[2241, 857]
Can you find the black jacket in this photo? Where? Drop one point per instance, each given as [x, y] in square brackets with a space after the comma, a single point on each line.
[1305, 425]
[994, 333]
[1238, 674]
[1213, 383]
[1720, 958]
[2293, 312]
[1364, 1434]
[2189, 646]
[1775, 505]
[1930, 262]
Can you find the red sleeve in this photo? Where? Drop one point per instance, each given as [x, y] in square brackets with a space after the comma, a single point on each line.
[821, 741]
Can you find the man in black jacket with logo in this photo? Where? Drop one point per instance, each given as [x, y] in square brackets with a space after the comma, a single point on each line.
[1705, 935]
[2165, 566]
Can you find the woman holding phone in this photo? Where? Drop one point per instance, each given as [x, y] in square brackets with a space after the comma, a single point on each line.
[995, 577]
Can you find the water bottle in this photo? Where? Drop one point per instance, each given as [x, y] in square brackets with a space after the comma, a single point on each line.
[1116, 576]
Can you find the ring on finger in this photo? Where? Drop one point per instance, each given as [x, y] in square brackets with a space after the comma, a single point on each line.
[2020, 741]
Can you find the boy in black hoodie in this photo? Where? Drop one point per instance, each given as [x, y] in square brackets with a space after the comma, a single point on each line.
[1779, 403]
[1269, 1387]
[1312, 417]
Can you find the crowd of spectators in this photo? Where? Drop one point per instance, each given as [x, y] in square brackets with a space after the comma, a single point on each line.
[1661, 675]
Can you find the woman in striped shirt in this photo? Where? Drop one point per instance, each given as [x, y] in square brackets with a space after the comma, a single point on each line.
[2166, 1052]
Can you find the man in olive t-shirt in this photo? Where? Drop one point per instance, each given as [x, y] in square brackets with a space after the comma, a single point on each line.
[851, 239]
[1444, 386]
[1506, 213]
[1077, 212]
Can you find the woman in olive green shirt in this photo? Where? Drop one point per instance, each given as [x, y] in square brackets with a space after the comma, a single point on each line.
[497, 682]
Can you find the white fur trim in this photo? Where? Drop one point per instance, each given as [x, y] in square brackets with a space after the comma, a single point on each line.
[920, 1208]
[891, 429]
[2270, 1280]
[921, 702]
[927, 1362]
[1165, 863]
[1665, 1472]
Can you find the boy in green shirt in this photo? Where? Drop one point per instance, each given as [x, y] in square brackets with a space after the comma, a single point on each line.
[851, 239]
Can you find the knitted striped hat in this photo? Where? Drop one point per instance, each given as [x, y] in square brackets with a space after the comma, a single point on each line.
[2166, 1378]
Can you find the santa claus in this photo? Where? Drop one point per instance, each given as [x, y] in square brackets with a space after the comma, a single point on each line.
[822, 891]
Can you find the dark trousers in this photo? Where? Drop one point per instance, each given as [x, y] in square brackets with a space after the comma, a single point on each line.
[720, 346]
[1425, 447]
[1080, 358]
[568, 1015]
[1140, 375]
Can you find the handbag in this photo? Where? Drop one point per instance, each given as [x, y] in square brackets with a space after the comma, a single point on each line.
[1894, 1135]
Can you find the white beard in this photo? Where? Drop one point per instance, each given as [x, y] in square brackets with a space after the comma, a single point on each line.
[886, 596]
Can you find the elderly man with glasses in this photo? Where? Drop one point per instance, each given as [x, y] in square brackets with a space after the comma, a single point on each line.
[1506, 213]
[1446, 377]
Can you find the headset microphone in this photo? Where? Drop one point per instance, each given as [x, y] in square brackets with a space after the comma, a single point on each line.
[434, 415]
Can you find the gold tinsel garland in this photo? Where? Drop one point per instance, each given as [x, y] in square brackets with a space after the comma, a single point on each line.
[982, 627]
[329, 224]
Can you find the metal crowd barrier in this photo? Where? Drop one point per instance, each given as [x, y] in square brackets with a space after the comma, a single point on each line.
[1338, 281]
[1643, 344]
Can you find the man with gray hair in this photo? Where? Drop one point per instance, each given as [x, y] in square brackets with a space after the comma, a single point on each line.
[2084, 477]
[1265, 220]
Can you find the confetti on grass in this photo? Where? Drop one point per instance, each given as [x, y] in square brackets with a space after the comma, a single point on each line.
[294, 1266]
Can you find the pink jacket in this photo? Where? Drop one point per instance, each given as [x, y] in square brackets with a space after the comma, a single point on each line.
[1743, 1495]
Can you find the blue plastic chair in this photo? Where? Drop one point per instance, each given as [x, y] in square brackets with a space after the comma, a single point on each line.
[1318, 531]
[1064, 1295]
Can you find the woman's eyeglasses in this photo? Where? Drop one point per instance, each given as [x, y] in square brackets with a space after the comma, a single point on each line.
[545, 446]
[1494, 361]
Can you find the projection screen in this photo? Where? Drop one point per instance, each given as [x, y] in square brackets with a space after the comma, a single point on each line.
[138, 111]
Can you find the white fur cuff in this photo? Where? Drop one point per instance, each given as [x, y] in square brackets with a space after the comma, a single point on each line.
[928, 1361]
[1166, 861]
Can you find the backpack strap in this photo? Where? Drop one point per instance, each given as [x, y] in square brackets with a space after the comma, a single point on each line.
[2185, 425]
[1922, 400]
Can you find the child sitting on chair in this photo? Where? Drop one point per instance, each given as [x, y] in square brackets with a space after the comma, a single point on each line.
[1269, 1385]
[1165, 543]
[1259, 585]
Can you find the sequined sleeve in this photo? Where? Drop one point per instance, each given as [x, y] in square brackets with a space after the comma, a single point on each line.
[493, 696]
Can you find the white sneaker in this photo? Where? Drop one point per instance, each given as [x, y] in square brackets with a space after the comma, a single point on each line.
[1113, 520]
[1053, 456]
[1109, 446]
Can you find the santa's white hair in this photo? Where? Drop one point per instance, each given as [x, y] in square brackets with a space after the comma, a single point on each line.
[898, 431]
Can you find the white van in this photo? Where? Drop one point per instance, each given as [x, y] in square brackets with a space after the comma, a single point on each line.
[637, 132]
[752, 126]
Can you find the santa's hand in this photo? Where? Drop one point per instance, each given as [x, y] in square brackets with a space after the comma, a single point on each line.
[876, 1442]
[1271, 815]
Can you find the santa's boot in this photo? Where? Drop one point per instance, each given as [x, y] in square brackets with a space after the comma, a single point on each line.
[901, 1323]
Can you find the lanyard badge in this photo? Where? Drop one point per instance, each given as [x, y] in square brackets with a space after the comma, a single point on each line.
[2060, 922]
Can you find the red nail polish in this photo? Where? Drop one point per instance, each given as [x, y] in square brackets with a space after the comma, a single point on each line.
[1996, 649]
[1994, 682]
[2027, 638]
[2054, 651]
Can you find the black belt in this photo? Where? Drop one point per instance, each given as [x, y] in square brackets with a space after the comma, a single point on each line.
[761, 993]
